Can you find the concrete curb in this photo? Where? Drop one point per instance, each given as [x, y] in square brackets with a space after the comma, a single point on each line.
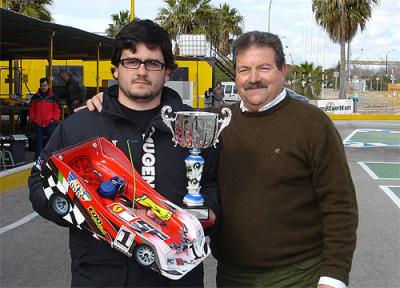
[15, 178]
[364, 116]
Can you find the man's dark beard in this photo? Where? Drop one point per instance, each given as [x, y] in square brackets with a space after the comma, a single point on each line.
[143, 98]
[256, 85]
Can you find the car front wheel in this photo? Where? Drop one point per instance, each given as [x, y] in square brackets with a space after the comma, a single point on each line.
[60, 204]
[144, 255]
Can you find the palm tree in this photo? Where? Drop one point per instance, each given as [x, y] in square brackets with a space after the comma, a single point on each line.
[308, 79]
[32, 8]
[185, 17]
[230, 23]
[200, 17]
[341, 19]
[119, 21]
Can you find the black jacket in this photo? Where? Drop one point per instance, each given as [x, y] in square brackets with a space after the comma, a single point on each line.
[94, 263]
[74, 91]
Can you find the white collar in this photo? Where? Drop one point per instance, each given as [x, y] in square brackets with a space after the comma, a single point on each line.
[267, 106]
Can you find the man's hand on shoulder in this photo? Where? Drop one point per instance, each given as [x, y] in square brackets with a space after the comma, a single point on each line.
[93, 104]
[96, 102]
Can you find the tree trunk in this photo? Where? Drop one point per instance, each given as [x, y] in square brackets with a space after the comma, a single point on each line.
[342, 87]
[348, 67]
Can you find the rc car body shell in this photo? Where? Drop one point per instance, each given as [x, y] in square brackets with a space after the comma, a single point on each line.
[137, 221]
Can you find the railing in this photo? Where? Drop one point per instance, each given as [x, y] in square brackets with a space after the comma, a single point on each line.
[223, 61]
[198, 45]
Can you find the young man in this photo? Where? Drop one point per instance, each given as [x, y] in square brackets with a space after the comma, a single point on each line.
[289, 215]
[44, 113]
[143, 62]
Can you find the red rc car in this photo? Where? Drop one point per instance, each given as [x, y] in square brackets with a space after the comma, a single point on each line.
[94, 187]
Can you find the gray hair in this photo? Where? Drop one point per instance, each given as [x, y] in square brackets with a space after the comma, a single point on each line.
[259, 39]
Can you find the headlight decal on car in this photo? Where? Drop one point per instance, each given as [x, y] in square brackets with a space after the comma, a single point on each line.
[143, 226]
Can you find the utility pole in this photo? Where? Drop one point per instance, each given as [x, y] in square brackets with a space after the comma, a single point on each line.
[269, 16]
[386, 73]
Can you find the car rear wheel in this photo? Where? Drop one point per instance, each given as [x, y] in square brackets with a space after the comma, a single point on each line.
[60, 204]
[144, 255]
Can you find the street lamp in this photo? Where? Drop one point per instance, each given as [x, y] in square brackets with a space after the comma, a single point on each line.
[387, 54]
[269, 15]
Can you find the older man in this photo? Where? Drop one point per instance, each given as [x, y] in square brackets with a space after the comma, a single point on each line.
[289, 213]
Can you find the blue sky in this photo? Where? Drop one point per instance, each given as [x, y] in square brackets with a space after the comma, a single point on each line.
[292, 20]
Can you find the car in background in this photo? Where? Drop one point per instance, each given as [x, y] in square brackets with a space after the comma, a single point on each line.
[296, 95]
[231, 94]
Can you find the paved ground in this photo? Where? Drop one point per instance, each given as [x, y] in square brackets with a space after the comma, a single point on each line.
[35, 254]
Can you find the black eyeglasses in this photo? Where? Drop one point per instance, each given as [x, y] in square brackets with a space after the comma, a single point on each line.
[134, 63]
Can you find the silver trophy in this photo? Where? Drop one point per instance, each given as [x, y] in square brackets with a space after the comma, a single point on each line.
[195, 130]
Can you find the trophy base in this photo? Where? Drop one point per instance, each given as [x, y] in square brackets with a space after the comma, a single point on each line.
[193, 200]
[199, 212]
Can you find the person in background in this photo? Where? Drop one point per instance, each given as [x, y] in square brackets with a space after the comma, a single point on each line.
[208, 98]
[131, 119]
[218, 95]
[289, 209]
[44, 113]
[74, 92]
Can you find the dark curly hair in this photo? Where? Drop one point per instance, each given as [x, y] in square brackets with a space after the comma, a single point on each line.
[146, 32]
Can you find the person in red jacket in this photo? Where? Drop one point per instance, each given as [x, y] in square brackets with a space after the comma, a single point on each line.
[44, 112]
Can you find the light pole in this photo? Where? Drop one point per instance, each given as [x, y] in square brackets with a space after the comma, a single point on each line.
[361, 76]
[269, 15]
[377, 83]
[387, 54]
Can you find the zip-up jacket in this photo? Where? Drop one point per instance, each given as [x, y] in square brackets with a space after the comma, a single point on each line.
[44, 109]
[169, 180]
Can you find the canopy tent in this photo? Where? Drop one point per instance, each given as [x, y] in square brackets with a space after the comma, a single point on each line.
[24, 37]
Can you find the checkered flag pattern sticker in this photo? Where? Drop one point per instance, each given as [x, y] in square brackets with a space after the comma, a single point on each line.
[53, 184]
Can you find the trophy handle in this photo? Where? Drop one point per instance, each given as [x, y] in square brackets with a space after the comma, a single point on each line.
[168, 120]
[224, 122]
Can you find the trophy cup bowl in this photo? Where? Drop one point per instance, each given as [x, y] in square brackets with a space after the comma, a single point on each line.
[195, 130]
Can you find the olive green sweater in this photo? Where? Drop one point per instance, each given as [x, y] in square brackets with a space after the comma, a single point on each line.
[286, 191]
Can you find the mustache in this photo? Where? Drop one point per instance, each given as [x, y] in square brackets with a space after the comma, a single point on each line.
[255, 85]
[141, 79]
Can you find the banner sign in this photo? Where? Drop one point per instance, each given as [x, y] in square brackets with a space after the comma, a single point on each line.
[342, 106]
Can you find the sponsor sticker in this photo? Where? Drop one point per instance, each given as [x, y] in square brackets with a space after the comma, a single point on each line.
[122, 213]
[96, 219]
[77, 187]
[39, 163]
